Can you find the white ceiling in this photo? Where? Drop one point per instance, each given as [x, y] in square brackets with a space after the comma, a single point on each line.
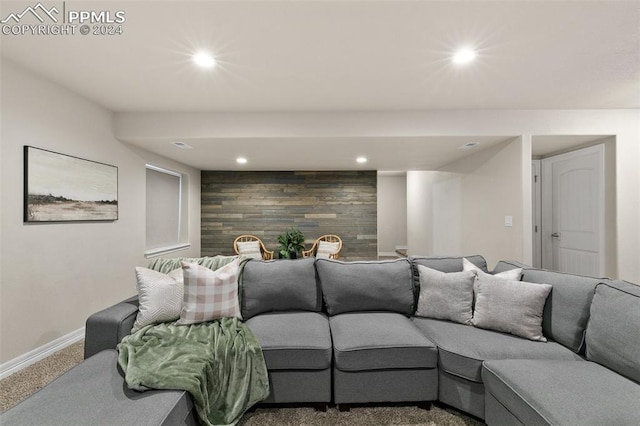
[316, 56]
[336, 153]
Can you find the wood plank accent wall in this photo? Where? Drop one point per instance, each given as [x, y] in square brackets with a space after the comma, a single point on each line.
[266, 204]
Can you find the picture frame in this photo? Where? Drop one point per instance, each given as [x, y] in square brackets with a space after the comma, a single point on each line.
[64, 188]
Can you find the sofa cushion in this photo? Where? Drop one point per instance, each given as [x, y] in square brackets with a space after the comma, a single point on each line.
[95, 393]
[462, 349]
[293, 340]
[562, 392]
[513, 307]
[613, 332]
[449, 264]
[366, 286]
[379, 340]
[567, 309]
[446, 296]
[279, 285]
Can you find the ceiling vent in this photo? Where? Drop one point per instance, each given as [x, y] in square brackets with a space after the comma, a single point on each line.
[469, 145]
[181, 145]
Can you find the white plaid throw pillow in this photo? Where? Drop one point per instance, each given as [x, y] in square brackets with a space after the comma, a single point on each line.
[208, 294]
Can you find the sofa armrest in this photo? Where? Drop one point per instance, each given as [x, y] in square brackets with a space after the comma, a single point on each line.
[106, 328]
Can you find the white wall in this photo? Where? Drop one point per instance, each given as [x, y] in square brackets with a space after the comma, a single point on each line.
[623, 124]
[53, 276]
[419, 218]
[434, 201]
[491, 188]
[436, 222]
[611, 247]
[460, 209]
[392, 213]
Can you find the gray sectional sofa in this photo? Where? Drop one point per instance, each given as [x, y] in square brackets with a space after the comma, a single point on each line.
[347, 333]
[604, 389]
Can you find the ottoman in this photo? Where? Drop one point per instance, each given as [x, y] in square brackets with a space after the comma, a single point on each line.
[94, 393]
[382, 357]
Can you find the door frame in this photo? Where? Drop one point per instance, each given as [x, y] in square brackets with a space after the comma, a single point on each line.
[547, 207]
[536, 201]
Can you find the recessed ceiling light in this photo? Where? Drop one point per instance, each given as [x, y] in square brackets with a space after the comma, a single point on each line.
[204, 60]
[469, 145]
[181, 145]
[464, 56]
[361, 160]
[241, 160]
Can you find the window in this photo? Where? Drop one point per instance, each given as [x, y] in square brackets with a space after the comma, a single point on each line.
[166, 216]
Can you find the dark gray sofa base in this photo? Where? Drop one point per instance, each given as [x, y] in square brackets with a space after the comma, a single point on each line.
[401, 385]
[461, 393]
[94, 393]
[499, 415]
[299, 386]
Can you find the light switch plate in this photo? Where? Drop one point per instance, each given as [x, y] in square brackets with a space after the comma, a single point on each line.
[508, 221]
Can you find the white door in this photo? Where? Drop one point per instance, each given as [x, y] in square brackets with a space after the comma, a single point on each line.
[573, 212]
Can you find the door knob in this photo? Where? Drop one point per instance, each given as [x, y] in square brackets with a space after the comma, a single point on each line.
[555, 235]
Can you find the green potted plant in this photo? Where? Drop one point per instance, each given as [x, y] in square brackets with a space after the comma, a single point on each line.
[291, 243]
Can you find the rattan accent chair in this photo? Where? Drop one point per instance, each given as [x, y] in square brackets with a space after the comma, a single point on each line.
[325, 238]
[266, 254]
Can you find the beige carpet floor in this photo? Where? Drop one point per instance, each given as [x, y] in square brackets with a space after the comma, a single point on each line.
[20, 385]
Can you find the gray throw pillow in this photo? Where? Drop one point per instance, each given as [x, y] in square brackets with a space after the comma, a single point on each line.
[513, 307]
[446, 296]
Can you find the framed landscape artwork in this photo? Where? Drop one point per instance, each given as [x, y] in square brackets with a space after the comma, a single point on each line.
[62, 188]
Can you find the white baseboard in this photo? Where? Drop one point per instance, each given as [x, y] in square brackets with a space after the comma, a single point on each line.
[402, 247]
[31, 357]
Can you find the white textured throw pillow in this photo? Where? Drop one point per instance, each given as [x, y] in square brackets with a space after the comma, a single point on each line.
[511, 274]
[513, 307]
[446, 296]
[210, 295]
[326, 249]
[250, 249]
[160, 297]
